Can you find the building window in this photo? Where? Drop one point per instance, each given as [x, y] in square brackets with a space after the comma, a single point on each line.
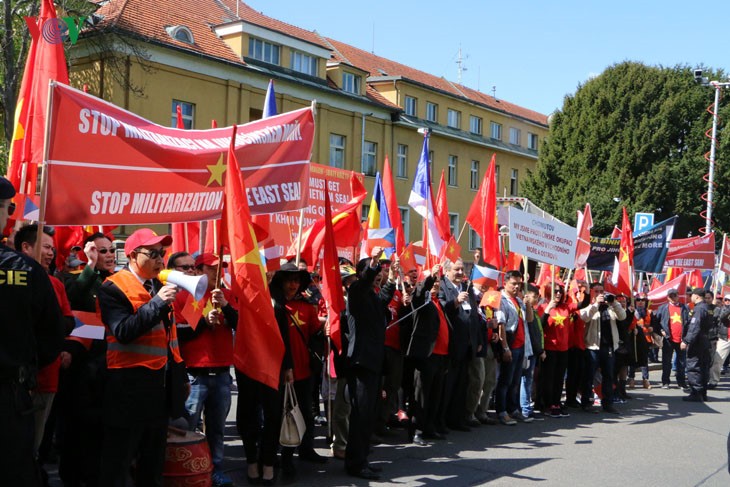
[531, 141]
[496, 176]
[453, 119]
[188, 113]
[430, 157]
[369, 158]
[304, 63]
[405, 218]
[411, 106]
[496, 131]
[513, 183]
[351, 83]
[432, 112]
[474, 175]
[474, 240]
[263, 51]
[337, 151]
[181, 33]
[365, 211]
[475, 125]
[451, 171]
[514, 136]
[401, 163]
[454, 224]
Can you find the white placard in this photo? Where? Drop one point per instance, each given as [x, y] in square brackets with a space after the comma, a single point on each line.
[540, 239]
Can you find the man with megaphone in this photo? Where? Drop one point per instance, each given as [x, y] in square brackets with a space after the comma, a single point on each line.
[144, 381]
[205, 328]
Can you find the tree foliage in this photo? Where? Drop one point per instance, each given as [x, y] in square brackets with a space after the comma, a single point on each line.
[636, 133]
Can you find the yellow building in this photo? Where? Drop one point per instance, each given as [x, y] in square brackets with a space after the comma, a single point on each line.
[215, 58]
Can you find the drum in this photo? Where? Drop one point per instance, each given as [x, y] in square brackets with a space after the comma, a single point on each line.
[187, 460]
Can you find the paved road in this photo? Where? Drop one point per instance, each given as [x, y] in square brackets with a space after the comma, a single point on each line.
[658, 440]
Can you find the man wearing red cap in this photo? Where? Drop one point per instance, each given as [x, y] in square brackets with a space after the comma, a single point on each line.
[141, 346]
[207, 347]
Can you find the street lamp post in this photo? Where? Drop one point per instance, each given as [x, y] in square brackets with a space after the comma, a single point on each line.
[717, 85]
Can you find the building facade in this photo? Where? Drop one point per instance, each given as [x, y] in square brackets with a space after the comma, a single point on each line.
[214, 58]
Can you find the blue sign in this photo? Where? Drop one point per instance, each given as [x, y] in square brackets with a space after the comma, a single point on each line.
[642, 221]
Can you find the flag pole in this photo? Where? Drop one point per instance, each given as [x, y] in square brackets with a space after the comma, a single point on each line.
[463, 227]
[44, 174]
[299, 237]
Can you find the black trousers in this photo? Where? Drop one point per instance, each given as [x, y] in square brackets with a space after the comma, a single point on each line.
[362, 386]
[698, 367]
[17, 463]
[552, 371]
[575, 373]
[253, 395]
[452, 411]
[122, 444]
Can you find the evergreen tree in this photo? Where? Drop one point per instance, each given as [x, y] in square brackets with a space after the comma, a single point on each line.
[636, 133]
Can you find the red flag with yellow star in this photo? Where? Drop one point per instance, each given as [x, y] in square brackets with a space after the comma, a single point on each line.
[331, 279]
[491, 299]
[482, 216]
[258, 349]
[452, 250]
[194, 310]
[623, 271]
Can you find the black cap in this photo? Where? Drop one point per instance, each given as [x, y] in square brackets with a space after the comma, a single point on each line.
[6, 189]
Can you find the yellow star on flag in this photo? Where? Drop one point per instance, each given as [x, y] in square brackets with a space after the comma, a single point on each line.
[216, 171]
[406, 254]
[624, 255]
[559, 320]
[491, 299]
[676, 318]
[208, 307]
[195, 305]
[253, 256]
[296, 319]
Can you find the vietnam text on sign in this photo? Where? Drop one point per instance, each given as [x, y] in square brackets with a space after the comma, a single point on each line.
[107, 166]
[548, 241]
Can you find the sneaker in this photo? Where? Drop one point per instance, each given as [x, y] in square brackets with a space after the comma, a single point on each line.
[665, 386]
[619, 400]
[573, 404]
[555, 412]
[506, 420]
[536, 416]
[320, 420]
[221, 480]
[610, 409]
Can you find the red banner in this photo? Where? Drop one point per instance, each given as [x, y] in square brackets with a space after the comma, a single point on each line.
[284, 226]
[107, 166]
[725, 256]
[692, 253]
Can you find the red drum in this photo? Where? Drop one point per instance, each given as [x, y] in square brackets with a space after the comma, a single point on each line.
[187, 460]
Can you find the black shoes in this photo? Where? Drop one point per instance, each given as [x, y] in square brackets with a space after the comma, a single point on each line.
[433, 436]
[418, 440]
[610, 409]
[366, 473]
[312, 457]
[692, 398]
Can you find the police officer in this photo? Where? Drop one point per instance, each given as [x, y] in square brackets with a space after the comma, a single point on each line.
[31, 336]
[696, 342]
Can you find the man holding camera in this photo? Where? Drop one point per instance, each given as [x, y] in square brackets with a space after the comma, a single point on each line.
[671, 320]
[601, 340]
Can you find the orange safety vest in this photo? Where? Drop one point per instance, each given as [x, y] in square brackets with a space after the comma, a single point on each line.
[148, 350]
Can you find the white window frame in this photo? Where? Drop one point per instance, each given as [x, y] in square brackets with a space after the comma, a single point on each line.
[351, 83]
[475, 125]
[365, 212]
[401, 162]
[474, 240]
[454, 224]
[453, 118]
[474, 175]
[451, 171]
[514, 183]
[405, 217]
[337, 149]
[514, 135]
[532, 141]
[188, 113]
[432, 112]
[495, 131]
[302, 62]
[272, 57]
[369, 163]
[411, 106]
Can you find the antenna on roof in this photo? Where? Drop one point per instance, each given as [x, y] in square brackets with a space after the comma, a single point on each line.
[494, 92]
[373, 49]
[238, 2]
[460, 63]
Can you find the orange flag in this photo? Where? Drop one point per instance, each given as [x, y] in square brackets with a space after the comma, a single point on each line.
[331, 279]
[623, 277]
[491, 299]
[482, 216]
[258, 349]
[452, 250]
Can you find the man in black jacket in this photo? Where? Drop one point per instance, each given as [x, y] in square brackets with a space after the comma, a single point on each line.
[366, 322]
[696, 343]
[31, 336]
[670, 321]
[460, 307]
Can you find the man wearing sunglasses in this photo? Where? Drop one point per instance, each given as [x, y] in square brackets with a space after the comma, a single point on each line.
[83, 290]
[31, 335]
[142, 354]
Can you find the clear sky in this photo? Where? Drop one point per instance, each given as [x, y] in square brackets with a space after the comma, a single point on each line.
[533, 51]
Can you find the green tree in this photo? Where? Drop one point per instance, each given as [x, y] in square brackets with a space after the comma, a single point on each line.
[635, 133]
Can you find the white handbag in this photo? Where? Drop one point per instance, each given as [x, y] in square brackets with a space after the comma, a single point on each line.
[292, 421]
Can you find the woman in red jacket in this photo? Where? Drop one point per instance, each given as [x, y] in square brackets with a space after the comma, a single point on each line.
[557, 322]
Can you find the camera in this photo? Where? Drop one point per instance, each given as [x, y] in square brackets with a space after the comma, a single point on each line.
[610, 298]
[699, 78]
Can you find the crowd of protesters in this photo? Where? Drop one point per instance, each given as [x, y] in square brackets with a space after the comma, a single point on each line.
[423, 351]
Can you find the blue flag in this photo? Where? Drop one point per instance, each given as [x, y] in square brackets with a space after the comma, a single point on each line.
[270, 101]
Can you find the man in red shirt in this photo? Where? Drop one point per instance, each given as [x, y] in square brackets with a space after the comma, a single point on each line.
[671, 320]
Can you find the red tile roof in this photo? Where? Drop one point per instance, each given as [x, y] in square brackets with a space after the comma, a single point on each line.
[380, 66]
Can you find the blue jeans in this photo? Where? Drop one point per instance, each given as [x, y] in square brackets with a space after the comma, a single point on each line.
[528, 375]
[212, 393]
[605, 360]
[508, 383]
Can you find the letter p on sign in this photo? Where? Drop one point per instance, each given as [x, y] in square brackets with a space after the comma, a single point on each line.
[642, 221]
